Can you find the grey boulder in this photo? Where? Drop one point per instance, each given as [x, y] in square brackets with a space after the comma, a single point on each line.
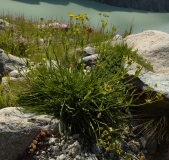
[153, 46]
[9, 62]
[3, 23]
[159, 84]
[18, 129]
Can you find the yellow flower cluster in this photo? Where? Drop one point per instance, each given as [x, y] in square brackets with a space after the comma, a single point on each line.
[108, 143]
[78, 17]
[159, 96]
[104, 15]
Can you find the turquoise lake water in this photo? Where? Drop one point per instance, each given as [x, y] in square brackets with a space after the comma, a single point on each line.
[59, 9]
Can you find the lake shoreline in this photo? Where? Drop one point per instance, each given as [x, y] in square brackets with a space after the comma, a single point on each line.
[143, 5]
[120, 17]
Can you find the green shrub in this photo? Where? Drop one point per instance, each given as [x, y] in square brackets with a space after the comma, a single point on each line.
[94, 103]
[8, 92]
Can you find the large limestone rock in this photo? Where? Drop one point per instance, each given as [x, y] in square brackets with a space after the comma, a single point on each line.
[159, 84]
[3, 24]
[9, 62]
[17, 130]
[153, 46]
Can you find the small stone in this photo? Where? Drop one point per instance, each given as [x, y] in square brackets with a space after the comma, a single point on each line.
[64, 151]
[133, 148]
[136, 143]
[88, 68]
[52, 141]
[134, 123]
[111, 154]
[78, 157]
[40, 40]
[74, 152]
[37, 153]
[92, 157]
[75, 136]
[88, 51]
[86, 154]
[55, 150]
[37, 157]
[61, 157]
[124, 144]
[71, 141]
[70, 137]
[143, 141]
[62, 143]
[97, 150]
[82, 154]
[65, 145]
[14, 73]
[48, 149]
[43, 152]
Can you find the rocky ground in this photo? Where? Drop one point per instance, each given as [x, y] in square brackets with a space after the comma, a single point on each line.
[47, 146]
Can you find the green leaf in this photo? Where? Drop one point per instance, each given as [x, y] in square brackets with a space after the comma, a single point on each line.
[87, 95]
[137, 72]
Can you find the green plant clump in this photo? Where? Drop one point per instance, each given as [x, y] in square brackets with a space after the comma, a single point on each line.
[93, 103]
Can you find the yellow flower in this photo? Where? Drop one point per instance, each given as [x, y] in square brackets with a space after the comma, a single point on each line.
[85, 15]
[112, 146]
[87, 18]
[148, 101]
[142, 158]
[155, 85]
[101, 141]
[42, 21]
[129, 62]
[71, 15]
[49, 21]
[159, 96]
[104, 143]
[105, 132]
[114, 29]
[102, 135]
[123, 137]
[138, 67]
[100, 13]
[99, 115]
[126, 128]
[107, 87]
[100, 128]
[77, 17]
[104, 15]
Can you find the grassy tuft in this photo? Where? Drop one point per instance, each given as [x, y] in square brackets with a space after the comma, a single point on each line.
[94, 103]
